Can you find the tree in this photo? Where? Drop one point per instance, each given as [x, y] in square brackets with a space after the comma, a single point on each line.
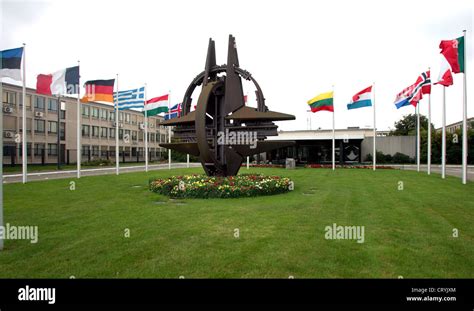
[407, 125]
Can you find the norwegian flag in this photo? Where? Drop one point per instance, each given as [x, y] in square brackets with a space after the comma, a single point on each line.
[414, 93]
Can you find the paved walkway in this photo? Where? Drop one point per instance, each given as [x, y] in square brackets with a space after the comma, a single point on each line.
[14, 178]
[452, 170]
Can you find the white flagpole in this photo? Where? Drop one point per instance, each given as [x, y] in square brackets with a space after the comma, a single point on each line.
[24, 157]
[375, 130]
[117, 150]
[333, 133]
[146, 134]
[187, 160]
[248, 162]
[1, 162]
[78, 152]
[418, 136]
[169, 132]
[428, 159]
[464, 117]
[443, 139]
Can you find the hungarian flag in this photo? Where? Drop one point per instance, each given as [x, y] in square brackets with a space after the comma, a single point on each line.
[64, 81]
[323, 101]
[156, 105]
[99, 90]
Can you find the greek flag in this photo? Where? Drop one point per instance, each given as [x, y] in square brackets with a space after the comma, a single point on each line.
[130, 99]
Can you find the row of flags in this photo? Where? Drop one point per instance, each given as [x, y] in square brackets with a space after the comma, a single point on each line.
[67, 81]
[452, 61]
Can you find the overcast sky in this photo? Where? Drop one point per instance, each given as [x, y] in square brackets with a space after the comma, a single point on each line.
[294, 49]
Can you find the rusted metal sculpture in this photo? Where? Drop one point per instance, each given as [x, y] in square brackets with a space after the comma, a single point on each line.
[221, 113]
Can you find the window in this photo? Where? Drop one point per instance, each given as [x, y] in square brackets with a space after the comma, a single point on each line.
[53, 105]
[95, 131]
[39, 126]
[28, 101]
[85, 130]
[39, 103]
[85, 150]
[103, 114]
[9, 98]
[112, 116]
[39, 148]
[127, 118]
[52, 149]
[103, 132]
[28, 149]
[120, 134]
[141, 135]
[85, 111]
[95, 151]
[127, 135]
[52, 127]
[134, 135]
[95, 112]
[134, 119]
[112, 132]
[62, 131]
[121, 117]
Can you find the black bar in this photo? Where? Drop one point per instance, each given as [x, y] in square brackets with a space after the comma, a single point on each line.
[281, 291]
[43, 151]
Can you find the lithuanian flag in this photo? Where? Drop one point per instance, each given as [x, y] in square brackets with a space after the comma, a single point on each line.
[323, 101]
[99, 90]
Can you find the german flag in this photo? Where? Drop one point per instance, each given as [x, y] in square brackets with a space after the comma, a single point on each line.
[99, 90]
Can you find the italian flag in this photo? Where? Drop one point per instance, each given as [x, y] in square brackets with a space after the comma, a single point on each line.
[156, 105]
[452, 60]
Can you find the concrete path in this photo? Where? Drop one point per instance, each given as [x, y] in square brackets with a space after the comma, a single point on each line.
[14, 178]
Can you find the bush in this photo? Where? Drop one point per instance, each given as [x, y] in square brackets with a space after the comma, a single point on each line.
[202, 186]
[401, 158]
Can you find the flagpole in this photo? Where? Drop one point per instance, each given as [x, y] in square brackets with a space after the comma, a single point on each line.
[146, 134]
[117, 150]
[169, 132]
[24, 157]
[78, 151]
[417, 136]
[443, 139]
[333, 133]
[248, 162]
[428, 159]
[375, 131]
[464, 118]
[1, 162]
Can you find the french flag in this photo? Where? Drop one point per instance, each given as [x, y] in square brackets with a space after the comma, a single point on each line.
[64, 81]
[361, 99]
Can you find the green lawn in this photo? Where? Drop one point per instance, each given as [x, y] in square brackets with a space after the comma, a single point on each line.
[81, 233]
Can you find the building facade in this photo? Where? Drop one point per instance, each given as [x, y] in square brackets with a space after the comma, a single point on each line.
[51, 119]
[352, 146]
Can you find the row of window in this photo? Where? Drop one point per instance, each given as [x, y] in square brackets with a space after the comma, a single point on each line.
[39, 149]
[96, 151]
[104, 114]
[40, 103]
[40, 127]
[105, 132]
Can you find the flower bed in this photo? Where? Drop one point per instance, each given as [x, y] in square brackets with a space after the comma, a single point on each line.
[347, 166]
[202, 186]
